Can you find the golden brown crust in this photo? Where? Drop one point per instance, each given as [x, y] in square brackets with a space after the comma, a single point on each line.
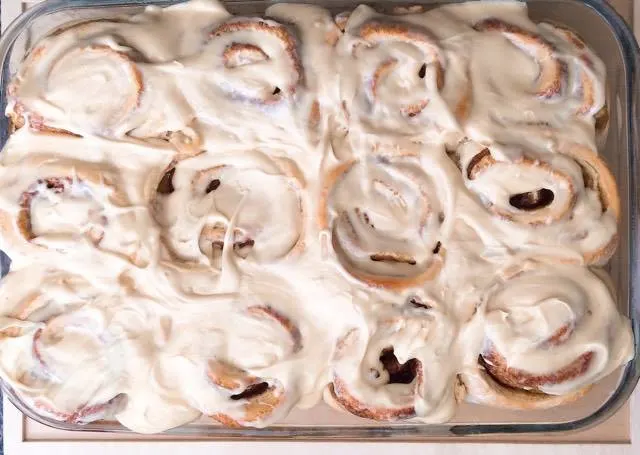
[289, 45]
[551, 74]
[259, 399]
[497, 366]
[483, 389]
[343, 397]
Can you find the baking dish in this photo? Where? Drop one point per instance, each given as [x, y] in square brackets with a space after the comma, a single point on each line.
[606, 33]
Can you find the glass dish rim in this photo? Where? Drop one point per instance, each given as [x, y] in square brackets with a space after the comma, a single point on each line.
[629, 377]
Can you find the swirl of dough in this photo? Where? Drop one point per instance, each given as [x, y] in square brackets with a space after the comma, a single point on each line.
[198, 198]
[550, 333]
[63, 360]
[567, 198]
[392, 74]
[252, 400]
[259, 60]
[386, 217]
[83, 81]
[559, 88]
[252, 368]
[53, 204]
[389, 373]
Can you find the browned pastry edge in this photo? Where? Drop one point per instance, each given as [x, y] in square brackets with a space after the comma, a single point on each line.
[289, 44]
[498, 368]
[481, 388]
[552, 72]
[37, 123]
[83, 414]
[17, 229]
[484, 160]
[587, 84]
[597, 176]
[329, 181]
[340, 393]
[376, 30]
[260, 399]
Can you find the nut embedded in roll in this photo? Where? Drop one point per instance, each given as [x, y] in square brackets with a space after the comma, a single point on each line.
[550, 333]
[385, 216]
[568, 199]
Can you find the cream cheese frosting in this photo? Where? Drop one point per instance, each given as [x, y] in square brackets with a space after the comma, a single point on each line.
[231, 216]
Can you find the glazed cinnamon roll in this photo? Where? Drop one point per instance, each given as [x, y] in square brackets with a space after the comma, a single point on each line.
[386, 216]
[567, 199]
[252, 376]
[254, 400]
[388, 371]
[550, 333]
[392, 74]
[74, 83]
[257, 196]
[558, 85]
[58, 344]
[58, 205]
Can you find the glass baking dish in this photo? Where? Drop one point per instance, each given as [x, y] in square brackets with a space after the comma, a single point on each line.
[608, 35]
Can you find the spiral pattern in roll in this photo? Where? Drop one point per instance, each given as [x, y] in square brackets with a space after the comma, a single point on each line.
[549, 334]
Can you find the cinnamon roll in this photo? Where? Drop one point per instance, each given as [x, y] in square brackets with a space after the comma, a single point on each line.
[53, 341]
[393, 73]
[268, 43]
[57, 205]
[258, 196]
[82, 81]
[252, 375]
[254, 400]
[558, 87]
[550, 333]
[388, 372]
[566, 199]
[386, 216]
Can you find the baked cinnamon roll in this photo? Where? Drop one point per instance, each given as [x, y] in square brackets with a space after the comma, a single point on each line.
[393, 73]
[252, 376]
[567, 199]
[388, 371]
[558, 86]
[386, 216]
[550, 333]
[60, 205]
[73, 83]
[257, 196]
[58, 345]
[254, 400]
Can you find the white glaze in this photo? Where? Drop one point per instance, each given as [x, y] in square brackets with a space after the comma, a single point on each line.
[143, 312]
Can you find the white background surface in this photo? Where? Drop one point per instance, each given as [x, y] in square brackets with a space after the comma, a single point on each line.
[13, 432]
